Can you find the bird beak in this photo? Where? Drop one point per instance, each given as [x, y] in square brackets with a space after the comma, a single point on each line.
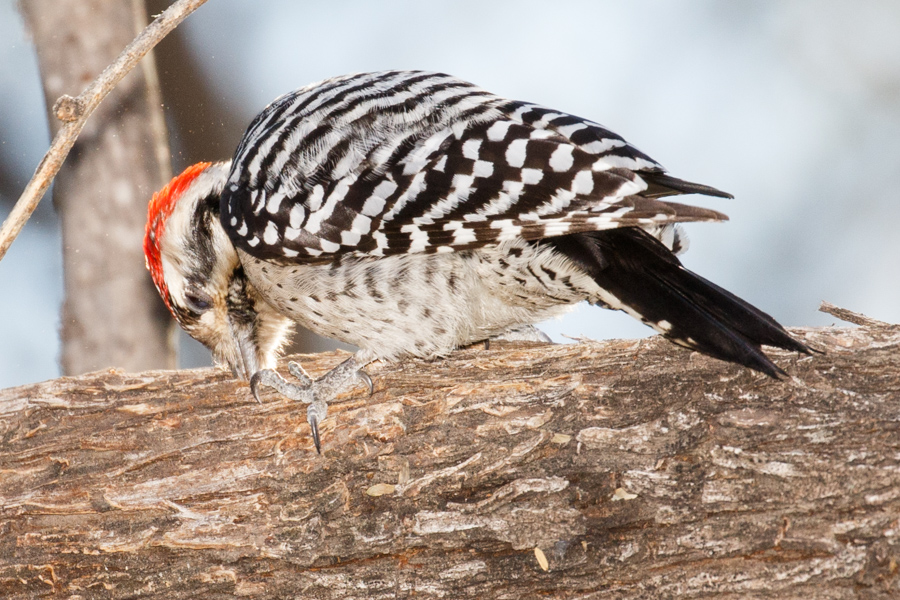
[244, 362]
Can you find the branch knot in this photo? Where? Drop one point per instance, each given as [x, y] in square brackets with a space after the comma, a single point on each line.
[68, 109]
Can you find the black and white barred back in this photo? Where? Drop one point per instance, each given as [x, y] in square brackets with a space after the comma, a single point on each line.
[407, 161]
[536, 210]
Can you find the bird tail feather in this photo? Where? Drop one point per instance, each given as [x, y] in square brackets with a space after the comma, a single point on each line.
[648, 281]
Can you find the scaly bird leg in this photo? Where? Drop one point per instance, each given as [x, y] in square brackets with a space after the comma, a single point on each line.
[314, 392]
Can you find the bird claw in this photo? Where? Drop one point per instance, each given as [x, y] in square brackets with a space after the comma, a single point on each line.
[300, 373]
[270, 378]
[367, 380]
[314, 392]
[315, 414]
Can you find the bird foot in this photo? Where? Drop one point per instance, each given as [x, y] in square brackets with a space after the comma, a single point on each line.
[314, 392]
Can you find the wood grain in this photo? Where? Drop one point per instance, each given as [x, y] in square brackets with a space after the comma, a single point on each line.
[625, 469]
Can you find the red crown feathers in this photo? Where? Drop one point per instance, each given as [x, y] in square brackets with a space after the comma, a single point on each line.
[158, 212]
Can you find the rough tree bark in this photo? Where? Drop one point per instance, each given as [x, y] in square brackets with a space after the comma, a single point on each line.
[628, 469]
[111, 314]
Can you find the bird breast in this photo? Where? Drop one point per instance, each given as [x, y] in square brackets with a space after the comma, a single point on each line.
[421, 304]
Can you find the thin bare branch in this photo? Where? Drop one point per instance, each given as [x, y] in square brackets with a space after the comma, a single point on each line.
[850, 317]
[74, 113]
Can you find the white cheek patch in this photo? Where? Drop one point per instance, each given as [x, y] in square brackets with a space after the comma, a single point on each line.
[173, 277]
[207, 320]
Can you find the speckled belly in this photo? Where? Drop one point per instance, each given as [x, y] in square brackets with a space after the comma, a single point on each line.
[423, 304]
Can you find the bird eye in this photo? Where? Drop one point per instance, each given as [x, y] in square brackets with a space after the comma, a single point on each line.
[197, 301]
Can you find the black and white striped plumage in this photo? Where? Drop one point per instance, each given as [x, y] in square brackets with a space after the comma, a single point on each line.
[410, 213]
[405, 161]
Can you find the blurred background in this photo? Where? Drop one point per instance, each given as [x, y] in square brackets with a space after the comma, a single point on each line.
[792, 106]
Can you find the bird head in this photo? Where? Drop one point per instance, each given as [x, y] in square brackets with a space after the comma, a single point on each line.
[199, 275]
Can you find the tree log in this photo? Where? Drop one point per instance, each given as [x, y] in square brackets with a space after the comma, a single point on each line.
[625, 469]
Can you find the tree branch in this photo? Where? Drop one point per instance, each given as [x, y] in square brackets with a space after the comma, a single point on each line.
[74, 113]
[625, 469]
[849, 316]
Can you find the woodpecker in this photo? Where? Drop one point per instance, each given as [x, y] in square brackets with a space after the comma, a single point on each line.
[410, 213]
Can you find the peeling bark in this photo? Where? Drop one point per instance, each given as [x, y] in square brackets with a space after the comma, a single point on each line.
[627, 469]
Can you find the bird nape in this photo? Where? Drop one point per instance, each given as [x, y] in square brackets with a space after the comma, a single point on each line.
[409, 213]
